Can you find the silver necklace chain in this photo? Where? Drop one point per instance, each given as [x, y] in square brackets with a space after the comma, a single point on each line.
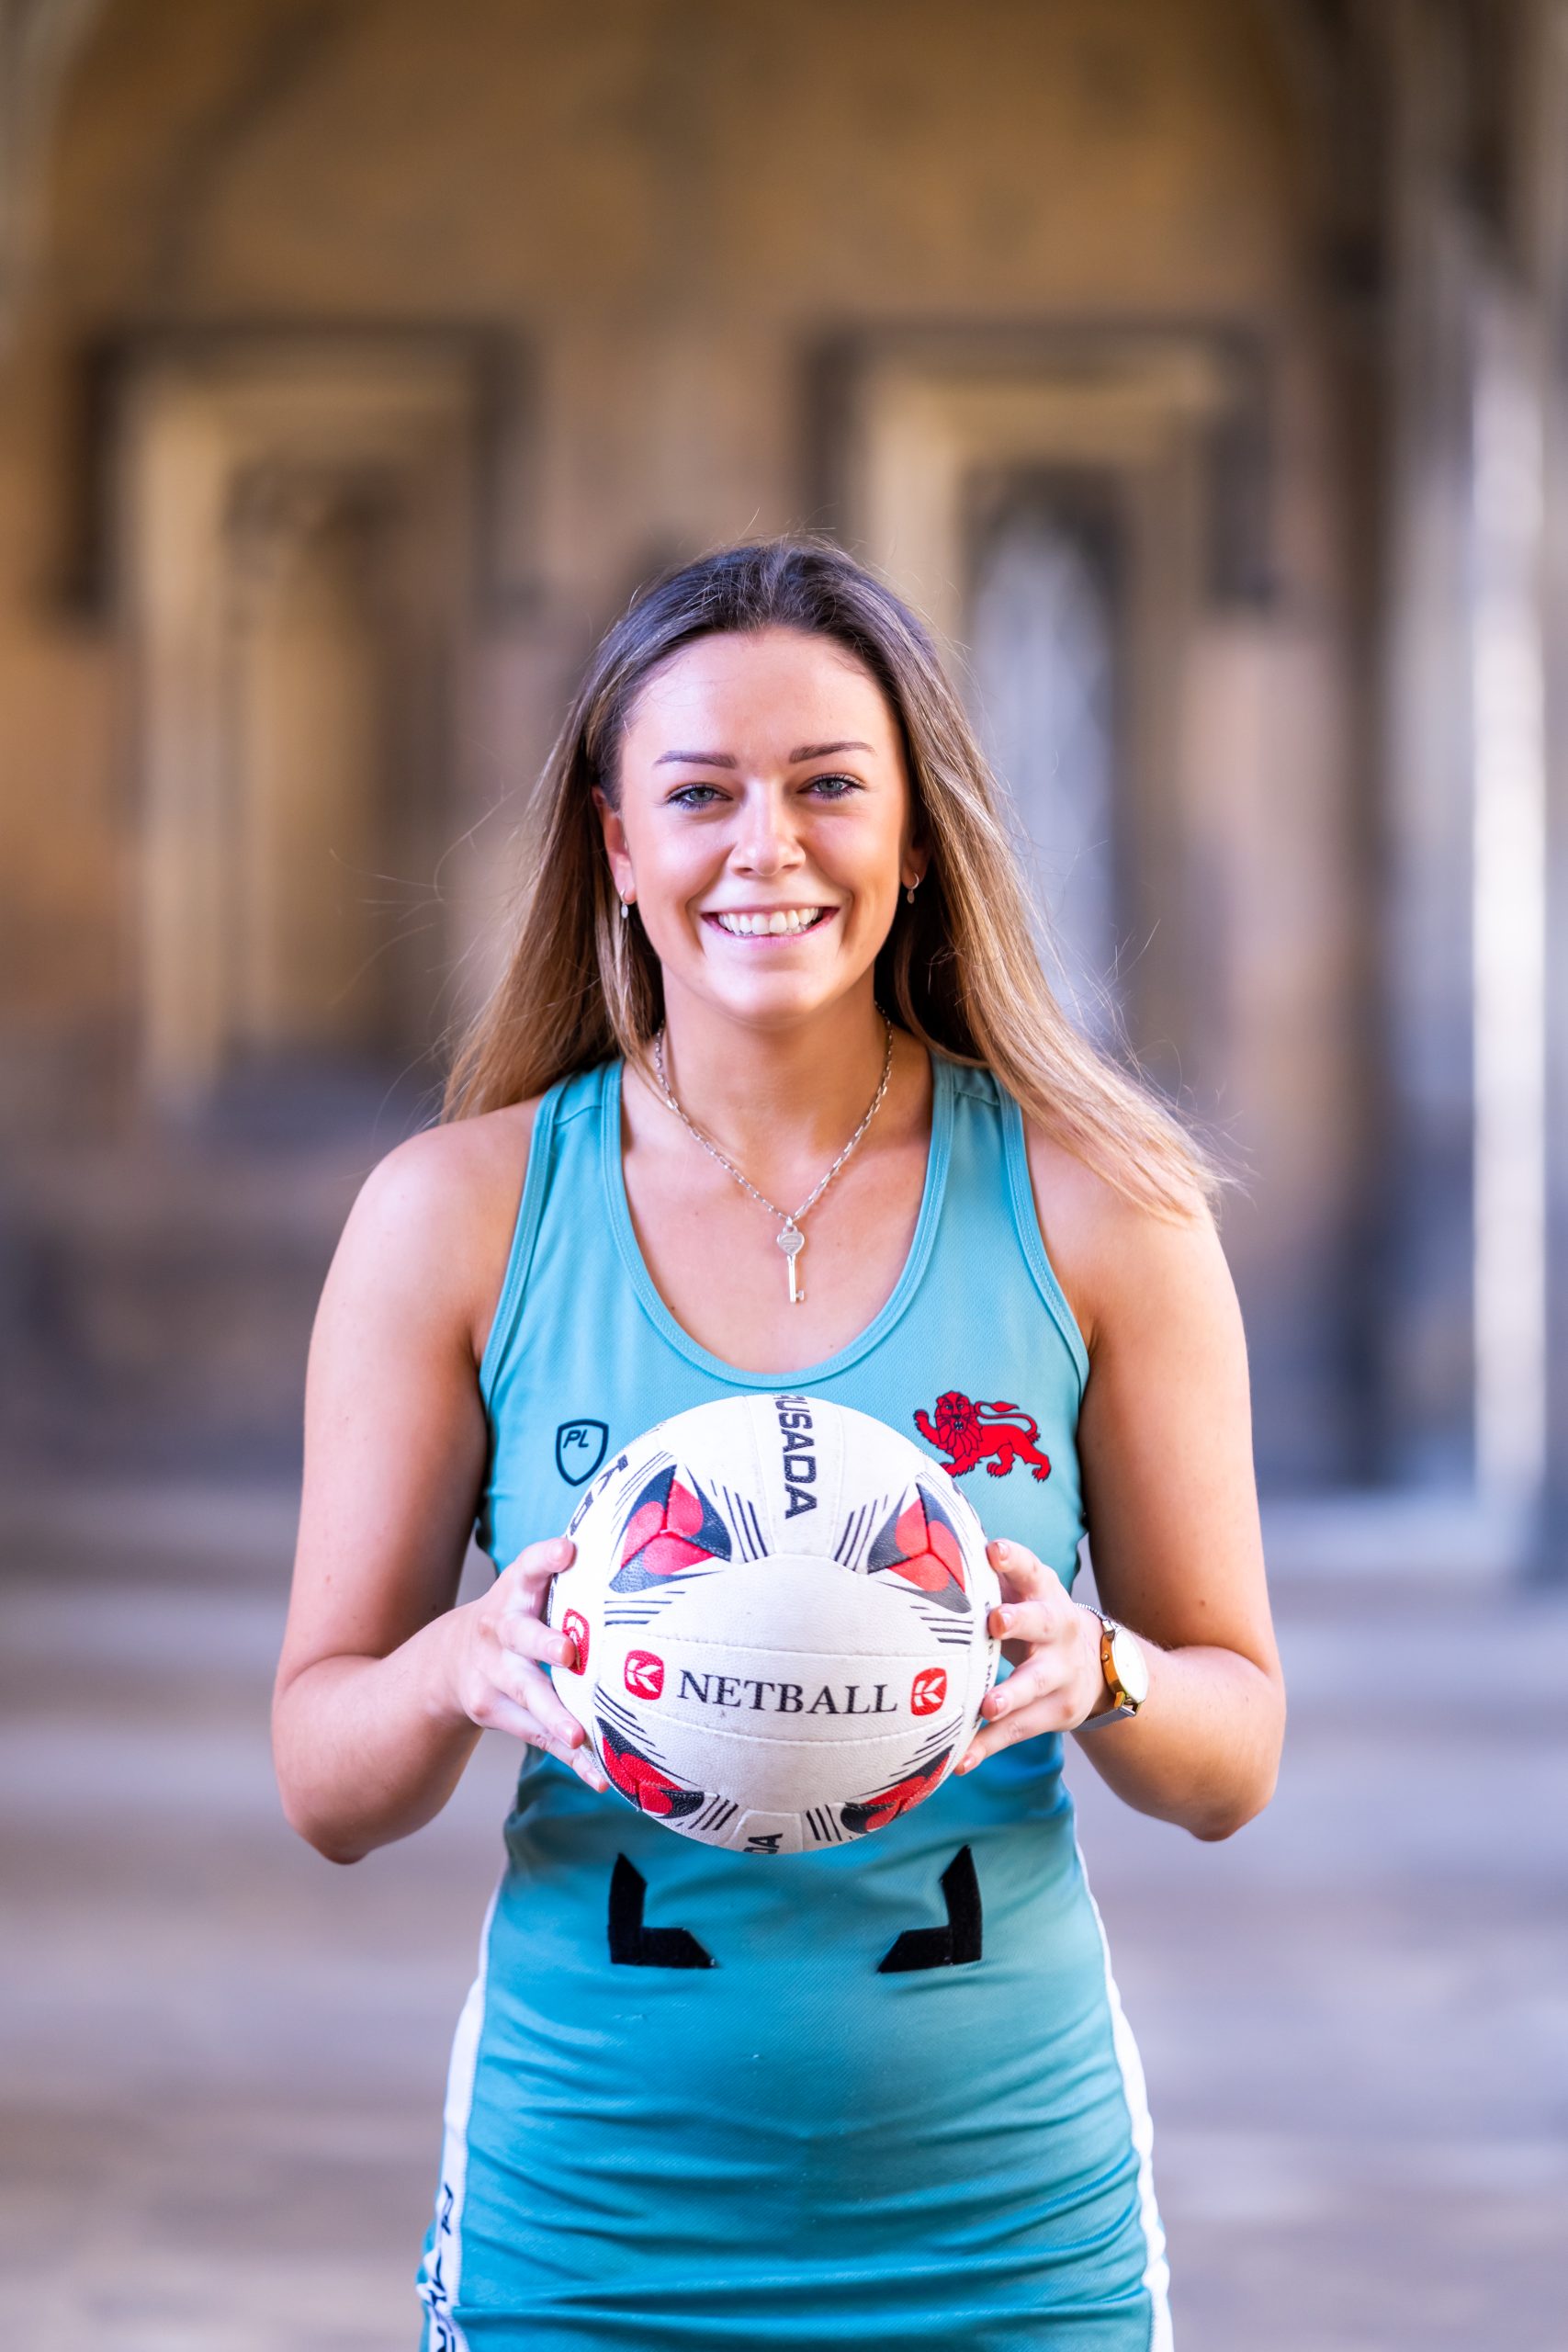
[790, 1239]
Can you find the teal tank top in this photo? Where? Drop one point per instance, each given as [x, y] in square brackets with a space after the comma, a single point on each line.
[689, 2107]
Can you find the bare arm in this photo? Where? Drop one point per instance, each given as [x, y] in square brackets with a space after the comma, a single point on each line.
[1166, 1447]
[384, 1684]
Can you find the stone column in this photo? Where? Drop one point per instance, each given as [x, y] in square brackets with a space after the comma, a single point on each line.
[1544, 99]
[1427, 1339]
[38, 40]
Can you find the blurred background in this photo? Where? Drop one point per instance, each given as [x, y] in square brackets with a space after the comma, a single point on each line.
[1200, 369]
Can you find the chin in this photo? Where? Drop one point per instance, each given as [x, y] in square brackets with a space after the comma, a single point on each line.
[772, 998]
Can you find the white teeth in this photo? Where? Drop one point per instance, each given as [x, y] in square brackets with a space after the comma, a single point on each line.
[780, 921]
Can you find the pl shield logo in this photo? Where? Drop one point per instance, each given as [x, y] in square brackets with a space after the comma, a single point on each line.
[580, 1449]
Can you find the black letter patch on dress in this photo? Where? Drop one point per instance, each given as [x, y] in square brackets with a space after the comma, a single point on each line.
[580, 1449]
[952, 1946]
[635, 1946]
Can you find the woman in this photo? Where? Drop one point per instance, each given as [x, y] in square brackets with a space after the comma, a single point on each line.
[765, 820]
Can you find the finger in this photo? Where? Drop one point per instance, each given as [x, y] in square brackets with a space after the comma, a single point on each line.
[1028, 1715]
[523, 1634]
[1023, 1578]
[586, 1765]
[530, 1711]
[1044, 1676]
[531, 1571]
[521, 1681]
[1029, 1722]
[502, 1713]
[495, 1710]
[1028, 1621]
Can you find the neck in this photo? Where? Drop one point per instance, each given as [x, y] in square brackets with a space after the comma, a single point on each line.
[763, 1093]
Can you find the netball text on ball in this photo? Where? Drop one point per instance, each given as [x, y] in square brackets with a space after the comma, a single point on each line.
[644, 1676]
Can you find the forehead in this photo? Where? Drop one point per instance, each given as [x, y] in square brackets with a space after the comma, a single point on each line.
[763, 694]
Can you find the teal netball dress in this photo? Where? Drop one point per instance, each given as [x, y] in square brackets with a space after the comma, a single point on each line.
[689, 2109]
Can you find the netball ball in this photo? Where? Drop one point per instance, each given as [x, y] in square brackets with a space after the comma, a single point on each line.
[780, 1612]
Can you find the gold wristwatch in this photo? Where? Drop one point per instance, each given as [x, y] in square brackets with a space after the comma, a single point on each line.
[1124, 1667]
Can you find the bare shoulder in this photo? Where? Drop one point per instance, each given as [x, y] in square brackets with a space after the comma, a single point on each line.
[1125, 1268]
[434, 1220]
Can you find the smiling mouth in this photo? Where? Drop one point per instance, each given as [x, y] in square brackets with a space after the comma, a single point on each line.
[771, 922]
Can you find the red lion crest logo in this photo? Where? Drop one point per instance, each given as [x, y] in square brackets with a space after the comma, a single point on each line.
[968, 1432]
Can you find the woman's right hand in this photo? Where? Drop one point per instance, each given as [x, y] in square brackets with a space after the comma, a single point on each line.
[499, 1649]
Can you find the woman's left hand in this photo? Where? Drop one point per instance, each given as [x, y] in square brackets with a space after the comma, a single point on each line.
[1052, 1647]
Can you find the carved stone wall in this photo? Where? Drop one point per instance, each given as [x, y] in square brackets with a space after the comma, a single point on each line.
[563, 293]
[297, 552]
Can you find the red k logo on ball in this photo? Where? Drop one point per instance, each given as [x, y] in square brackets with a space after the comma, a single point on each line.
[575, 1627]
[645, 1674]
[928, 1691]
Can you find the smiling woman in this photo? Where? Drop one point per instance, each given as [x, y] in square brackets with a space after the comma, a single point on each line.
[769, 891]
[771, 865]
[777, 951]
[958, 968]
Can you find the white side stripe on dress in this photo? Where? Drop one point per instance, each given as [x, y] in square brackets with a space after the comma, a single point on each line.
[441, 2271]
[1156, 2270]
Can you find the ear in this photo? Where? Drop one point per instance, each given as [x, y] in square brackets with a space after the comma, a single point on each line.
[615, 835]
[915, 855]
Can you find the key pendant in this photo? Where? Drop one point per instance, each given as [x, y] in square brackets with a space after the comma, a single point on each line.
[792, 1242]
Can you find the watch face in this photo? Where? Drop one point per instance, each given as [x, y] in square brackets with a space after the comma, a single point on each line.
[1131, 1666]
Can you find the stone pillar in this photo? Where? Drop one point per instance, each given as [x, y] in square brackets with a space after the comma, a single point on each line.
[38, 40]
[296, 516]
[312, 657]
[1427, 1380]
[1545, 99]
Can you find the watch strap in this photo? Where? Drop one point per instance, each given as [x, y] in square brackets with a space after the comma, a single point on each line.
[1112, 1715]
[1122, 1704]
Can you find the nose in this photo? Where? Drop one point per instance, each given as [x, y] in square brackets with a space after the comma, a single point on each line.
[765, 842]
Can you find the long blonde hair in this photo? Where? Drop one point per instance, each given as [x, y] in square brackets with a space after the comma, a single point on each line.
[960, 968]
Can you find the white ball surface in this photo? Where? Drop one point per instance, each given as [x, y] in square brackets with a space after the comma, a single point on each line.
[780, 1611]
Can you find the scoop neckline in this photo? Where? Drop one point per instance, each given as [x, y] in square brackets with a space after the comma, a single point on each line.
[612, 1171]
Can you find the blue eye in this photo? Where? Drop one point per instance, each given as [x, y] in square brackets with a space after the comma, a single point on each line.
[694, 795]
[833, 787]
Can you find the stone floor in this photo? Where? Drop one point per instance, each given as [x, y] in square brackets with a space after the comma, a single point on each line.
[222, 2059]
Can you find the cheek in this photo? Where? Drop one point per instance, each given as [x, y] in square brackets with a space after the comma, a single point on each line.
[675, 869]
[871, 863]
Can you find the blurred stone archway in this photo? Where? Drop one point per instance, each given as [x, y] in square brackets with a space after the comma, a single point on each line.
[1349, 213]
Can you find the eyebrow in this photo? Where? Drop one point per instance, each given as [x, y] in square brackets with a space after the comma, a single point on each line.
[729, 760]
